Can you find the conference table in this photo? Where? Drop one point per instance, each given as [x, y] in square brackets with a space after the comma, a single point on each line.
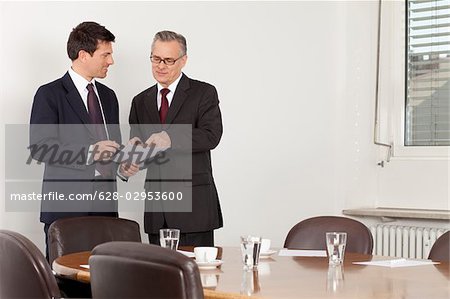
[302, 277]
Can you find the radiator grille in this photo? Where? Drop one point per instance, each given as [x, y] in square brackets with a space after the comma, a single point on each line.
[404, 241]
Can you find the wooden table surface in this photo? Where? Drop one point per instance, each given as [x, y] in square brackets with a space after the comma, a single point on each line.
[304, 277]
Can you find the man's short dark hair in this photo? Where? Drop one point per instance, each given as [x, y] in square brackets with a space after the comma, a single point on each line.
[85, 37]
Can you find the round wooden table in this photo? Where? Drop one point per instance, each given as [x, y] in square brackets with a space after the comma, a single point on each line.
[303, 277]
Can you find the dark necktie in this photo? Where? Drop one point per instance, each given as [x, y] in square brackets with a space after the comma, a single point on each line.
[95, 112]
[164, 105]
[95, 115]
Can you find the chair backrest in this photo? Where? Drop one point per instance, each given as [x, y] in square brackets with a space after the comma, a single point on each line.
[75, 234]
[310, 234]
[136, 270]
[24, 271]
[441, 249]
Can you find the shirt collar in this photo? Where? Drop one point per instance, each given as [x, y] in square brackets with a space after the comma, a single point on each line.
[79, 81]
[172, 87]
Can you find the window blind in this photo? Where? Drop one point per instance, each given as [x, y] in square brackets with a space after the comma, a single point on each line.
[427, 113]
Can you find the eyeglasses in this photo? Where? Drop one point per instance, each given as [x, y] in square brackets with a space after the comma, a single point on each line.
[167, 61]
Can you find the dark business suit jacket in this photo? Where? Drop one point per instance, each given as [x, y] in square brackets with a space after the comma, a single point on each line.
[59, 118]
[196, 104]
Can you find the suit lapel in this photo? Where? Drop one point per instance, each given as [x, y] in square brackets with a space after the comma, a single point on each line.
[104, 99]
[178, 98]
[75, 101]
[151, 106]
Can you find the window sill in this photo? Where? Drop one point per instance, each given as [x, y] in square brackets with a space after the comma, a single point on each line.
[401, 152]
[399, 213]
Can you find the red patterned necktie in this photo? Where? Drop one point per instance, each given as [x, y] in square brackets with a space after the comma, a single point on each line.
[95, 115]
[164, 105]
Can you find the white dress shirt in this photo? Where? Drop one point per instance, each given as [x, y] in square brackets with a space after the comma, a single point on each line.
[172, 87]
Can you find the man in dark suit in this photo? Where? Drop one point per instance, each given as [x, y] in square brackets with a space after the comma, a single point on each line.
[179, 100]
[74, 130]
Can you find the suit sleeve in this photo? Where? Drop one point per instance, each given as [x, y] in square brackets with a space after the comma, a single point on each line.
[133, 120]
[206, 129]
[45, 132]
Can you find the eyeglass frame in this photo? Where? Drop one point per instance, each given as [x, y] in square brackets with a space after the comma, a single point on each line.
[164, 60]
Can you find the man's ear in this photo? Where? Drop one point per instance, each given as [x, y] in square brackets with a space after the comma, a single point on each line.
[184, 60]
[82, 55]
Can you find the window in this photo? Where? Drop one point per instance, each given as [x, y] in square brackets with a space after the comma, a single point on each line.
[427, 92]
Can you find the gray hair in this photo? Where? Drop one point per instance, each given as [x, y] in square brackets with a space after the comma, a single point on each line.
[167, 36]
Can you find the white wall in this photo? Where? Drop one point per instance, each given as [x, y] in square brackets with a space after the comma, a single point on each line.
[296, 84]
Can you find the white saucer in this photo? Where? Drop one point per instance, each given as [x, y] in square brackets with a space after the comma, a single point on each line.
[266, 254]
[209, 265]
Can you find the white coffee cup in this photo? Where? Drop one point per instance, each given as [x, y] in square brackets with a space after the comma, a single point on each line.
[205, 254]
[265, 245]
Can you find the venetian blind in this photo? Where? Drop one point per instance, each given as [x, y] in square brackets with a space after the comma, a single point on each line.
[428, 72]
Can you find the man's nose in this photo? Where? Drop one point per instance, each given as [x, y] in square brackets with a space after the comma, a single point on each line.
[161, 65]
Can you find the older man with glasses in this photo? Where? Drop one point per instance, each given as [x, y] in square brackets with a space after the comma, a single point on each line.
[177, 99]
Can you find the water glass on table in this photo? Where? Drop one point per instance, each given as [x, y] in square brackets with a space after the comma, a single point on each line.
[169, 238]
[336, 242]
[250, 249]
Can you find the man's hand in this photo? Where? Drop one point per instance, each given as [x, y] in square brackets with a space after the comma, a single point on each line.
[104, 150]
[135, 141]
[160, 139]
[128, 169]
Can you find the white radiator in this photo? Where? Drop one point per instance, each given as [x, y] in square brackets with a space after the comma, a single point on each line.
[404, 241]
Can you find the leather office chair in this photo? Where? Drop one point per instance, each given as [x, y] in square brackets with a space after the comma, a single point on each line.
[441, 249]
[24, 271]
[75, 234]
[310, 234]
[134, 270]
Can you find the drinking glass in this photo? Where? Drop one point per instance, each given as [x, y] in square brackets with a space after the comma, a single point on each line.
[169, 238]
[336, 247]
[250, 249]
